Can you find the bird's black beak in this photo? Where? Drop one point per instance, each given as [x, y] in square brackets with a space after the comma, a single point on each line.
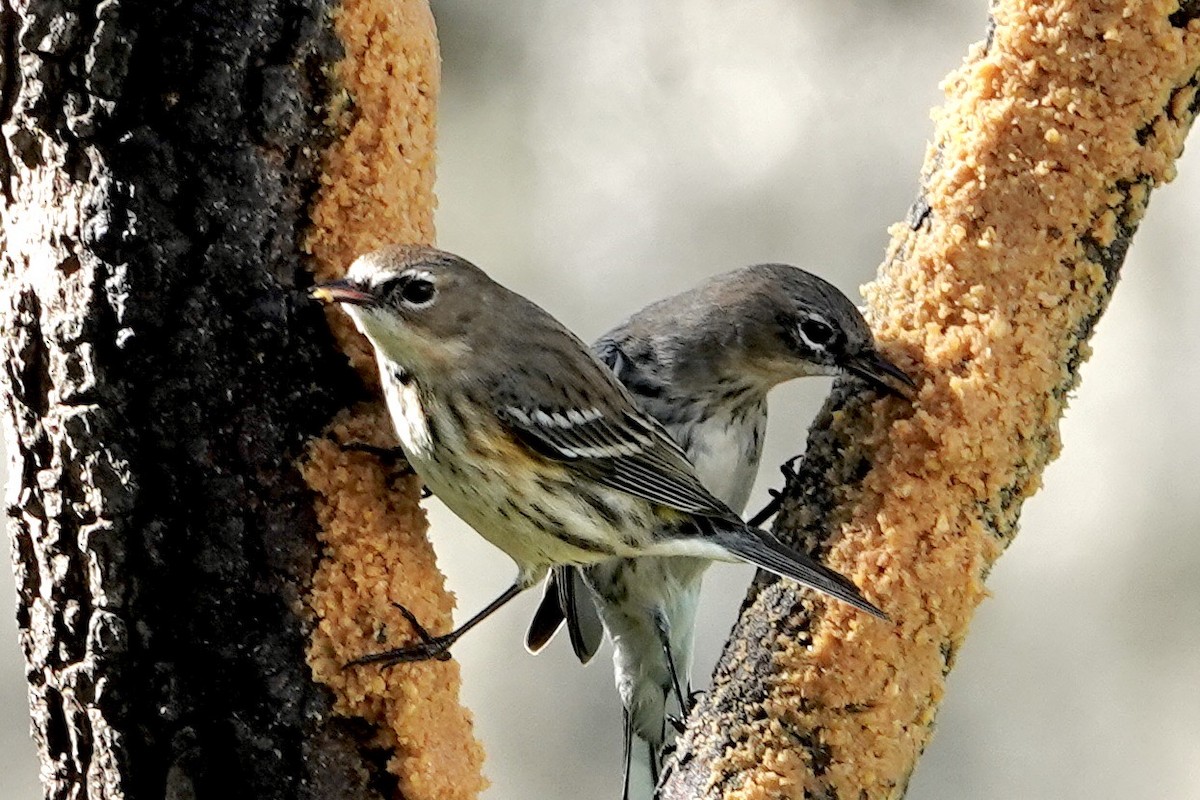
[341, 292]
[881, 373]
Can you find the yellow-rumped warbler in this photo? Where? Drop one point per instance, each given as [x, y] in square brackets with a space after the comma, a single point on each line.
[530, 439]
[702, 363]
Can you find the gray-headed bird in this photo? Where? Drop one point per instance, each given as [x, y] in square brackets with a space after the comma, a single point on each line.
[701, 363]
[531, 439]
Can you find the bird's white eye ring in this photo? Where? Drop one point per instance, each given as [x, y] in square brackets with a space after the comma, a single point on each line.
[816, 332]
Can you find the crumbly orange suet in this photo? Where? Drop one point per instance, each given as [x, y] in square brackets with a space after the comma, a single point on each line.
[376, 553]
[1037, 163]
[377, 177]
[377, 188]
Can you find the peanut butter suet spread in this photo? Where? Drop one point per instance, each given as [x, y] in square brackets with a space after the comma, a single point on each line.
[377, 188]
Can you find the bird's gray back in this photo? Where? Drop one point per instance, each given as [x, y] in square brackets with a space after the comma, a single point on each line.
[720, 427]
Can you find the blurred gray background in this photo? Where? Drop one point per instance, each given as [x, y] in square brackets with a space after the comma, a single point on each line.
[599, 155]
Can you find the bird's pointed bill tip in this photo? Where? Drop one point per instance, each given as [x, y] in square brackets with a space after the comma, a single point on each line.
[340, 292]
[882, 373]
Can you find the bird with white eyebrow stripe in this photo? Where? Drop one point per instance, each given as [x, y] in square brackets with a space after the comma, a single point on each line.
[701, 363]
[530, 439]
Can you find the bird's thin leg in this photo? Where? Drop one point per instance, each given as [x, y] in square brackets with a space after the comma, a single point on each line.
[664, 638]
[653, 752]
[788, 468]
[393, 454]
[769, 510]
[628, 722]
[435, 647]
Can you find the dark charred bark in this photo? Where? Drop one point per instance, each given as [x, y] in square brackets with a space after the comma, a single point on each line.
[163, 370]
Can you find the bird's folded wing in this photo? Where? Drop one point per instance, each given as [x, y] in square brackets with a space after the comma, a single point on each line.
[620, 449]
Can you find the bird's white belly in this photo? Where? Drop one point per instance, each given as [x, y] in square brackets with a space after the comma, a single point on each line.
[725, 453]
[638, 594]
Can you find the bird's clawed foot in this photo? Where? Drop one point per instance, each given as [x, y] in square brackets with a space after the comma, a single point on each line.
[679, 723]
[429, 647]
[790, 471]
[789, 468]
[392, 457]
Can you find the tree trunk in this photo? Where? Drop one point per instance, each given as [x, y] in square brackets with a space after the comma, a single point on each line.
[1054, 133]
[166, 168]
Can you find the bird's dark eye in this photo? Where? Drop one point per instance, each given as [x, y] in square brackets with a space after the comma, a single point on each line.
[816, 331]
[417, 291]
[408, 289]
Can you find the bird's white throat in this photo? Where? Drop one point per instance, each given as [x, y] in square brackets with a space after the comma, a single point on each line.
[405, 408]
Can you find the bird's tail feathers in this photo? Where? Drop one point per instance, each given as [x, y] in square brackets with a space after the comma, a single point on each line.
[583, 619]
[766, 552]
[566, 599]
[547, 619]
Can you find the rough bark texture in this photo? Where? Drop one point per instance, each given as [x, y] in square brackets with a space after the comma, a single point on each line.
[1054, 132]
[162, 373]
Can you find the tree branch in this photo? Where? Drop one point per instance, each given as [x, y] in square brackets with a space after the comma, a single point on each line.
[1053, 135]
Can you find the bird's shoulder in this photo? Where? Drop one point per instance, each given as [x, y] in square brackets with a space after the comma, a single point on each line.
[636, 361]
